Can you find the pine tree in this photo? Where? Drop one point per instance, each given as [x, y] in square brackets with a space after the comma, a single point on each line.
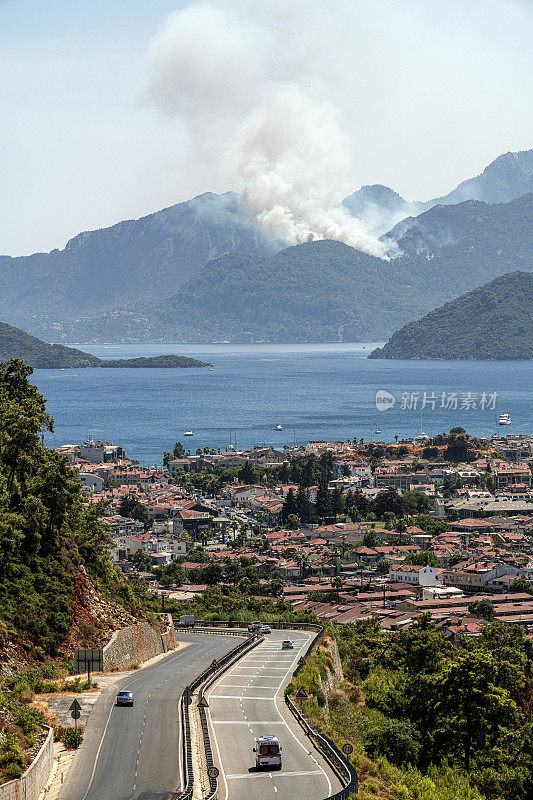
[290, 507]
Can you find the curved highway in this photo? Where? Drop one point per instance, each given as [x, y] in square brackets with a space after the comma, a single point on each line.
[131, 753]
[246, 702]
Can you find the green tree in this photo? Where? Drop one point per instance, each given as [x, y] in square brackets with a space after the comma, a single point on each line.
[422, 559]
[383, 566]
[211, 574]
[472, 712]
[484, 609]
[399, 742]
[290, 507]
[520, 585]
[134, 509]
[293, 522]
[179, 450]
[337, 584]
[141, 560]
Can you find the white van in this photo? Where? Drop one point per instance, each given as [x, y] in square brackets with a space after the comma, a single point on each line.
[267, 752]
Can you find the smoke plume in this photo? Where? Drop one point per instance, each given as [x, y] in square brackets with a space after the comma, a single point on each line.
[251, 81]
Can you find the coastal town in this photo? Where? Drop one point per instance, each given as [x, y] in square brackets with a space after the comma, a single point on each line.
[343, 530]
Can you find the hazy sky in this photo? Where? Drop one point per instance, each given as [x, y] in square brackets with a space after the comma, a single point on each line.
[429, 91]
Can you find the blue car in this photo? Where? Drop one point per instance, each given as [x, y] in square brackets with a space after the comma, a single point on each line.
[125, 699]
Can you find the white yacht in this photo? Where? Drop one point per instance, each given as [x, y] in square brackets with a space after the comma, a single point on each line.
[188, 433]
[504, 419]
[277, 427]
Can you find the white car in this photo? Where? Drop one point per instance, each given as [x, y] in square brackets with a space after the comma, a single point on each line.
[287, 645]
[265, 629]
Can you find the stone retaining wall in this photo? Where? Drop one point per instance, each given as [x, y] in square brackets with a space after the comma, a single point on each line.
[136, 644]
[30, 784]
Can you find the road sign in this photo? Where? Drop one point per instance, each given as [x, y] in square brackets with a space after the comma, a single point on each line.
[212, 772]
[214, 664]
[203, 703]
[75, 714]
[75, 706]
[301, 661]
[89, 659]
[347, 749]
[301, 694]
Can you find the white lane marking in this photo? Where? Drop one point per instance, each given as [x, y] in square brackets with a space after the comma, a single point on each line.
[304, 642]
[281, 774]
[98, 754]
[288, 727]
[243, 686]
[252, 722]
[210, 722]
[240, 697]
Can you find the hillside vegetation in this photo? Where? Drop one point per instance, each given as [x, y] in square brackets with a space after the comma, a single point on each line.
[15, 343]
[327, 291]
[51, 544]
[428, 720]
[492, 322]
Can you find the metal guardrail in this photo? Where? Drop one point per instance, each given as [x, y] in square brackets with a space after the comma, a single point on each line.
[239, 652]
[216, 631]
[345, 771]
[342, 767]
[304, 626]
[206, 677]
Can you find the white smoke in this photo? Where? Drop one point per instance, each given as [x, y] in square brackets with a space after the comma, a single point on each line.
[245, 78]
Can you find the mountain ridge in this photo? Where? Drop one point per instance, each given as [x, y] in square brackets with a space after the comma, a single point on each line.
[326, 290]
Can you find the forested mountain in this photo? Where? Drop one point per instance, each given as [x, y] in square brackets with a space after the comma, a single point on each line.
[479, 224]
[492, 322]
[202, 271]
[327, 291]
[137, 259]
[15, 343]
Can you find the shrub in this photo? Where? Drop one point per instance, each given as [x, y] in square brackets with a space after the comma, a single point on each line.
[71, 737]
[399, 742]
[11, 758]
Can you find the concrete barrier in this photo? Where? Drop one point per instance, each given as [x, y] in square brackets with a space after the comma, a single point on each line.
[32, 781]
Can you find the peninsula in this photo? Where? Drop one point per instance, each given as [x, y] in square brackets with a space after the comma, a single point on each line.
[16, 343]
[491, 322]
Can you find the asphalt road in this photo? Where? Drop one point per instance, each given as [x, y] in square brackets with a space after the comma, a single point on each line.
[246, 702]
[131, 753]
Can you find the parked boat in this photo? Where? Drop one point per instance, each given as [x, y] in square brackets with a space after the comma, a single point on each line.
[504, 419]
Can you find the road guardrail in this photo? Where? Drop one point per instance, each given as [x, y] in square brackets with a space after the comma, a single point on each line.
[206, 677]
[342, 767]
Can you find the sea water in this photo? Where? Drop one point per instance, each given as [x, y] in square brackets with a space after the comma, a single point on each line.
[314, 391]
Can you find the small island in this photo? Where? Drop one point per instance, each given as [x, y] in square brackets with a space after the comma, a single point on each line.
[492, 322]
[165, 362]
[16, 343]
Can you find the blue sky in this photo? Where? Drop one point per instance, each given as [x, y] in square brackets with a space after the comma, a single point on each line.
[82, 149]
